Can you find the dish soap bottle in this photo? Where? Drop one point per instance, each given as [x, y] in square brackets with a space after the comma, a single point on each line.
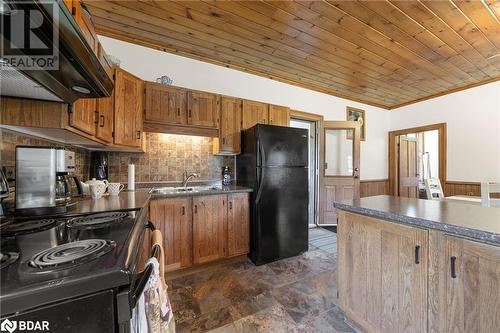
[226, 176]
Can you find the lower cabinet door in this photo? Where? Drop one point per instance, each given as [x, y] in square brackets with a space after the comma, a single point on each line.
[382, 274]
[238, 227]
[209, 227]
[465, 286]
[173, 218]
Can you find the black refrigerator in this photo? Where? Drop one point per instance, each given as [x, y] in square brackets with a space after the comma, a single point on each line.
[274, 162]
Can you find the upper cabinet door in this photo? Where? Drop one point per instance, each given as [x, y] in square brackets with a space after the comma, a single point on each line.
[84, 23]
[84, 115]
[203, 109]
[230, 127]
[105, 109]
[164, 104]
[279, 115]
[128, 109]
[254, 113]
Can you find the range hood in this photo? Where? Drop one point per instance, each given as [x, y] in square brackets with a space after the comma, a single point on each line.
[79, 73]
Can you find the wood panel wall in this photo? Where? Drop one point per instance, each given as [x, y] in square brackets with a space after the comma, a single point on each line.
[368, 188]
[464, 188]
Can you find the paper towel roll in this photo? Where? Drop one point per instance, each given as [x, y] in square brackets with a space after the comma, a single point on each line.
[131, 177]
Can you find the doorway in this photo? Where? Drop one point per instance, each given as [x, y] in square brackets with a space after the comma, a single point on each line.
[416, 154]
[340, 152]
[312, 128]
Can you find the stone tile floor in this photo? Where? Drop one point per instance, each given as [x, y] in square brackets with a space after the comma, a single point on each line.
[292, 295]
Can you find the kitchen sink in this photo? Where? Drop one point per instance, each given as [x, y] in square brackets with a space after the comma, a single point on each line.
[189, 189]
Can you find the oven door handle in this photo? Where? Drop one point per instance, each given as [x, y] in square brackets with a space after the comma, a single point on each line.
[127, 299]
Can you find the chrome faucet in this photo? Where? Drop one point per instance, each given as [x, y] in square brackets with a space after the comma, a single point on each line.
[187, 178]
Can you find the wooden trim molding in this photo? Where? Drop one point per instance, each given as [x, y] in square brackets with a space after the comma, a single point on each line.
[305, 115]
[393, 151]
[371, 187]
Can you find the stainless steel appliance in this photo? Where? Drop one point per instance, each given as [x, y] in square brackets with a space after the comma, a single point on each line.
[4, 190]
[274, 162]
[79, 73]
[42, 185]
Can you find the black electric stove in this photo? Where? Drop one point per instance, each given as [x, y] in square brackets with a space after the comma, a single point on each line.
[49, 265]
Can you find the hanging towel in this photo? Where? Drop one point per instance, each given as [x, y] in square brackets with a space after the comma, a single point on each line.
[157, 304]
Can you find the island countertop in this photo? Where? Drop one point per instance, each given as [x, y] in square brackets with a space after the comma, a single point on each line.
[454, 217]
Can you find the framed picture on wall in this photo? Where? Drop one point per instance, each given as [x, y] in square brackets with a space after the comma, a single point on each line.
[353, 114]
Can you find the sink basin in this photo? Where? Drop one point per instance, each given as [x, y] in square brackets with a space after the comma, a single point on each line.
[190, 189]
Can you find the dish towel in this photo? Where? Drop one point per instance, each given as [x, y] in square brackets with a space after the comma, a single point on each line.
[153, 313]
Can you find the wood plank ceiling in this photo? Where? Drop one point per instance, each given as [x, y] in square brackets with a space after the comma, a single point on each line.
[384, 53]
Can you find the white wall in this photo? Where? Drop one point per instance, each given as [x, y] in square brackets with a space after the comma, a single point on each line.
[473, 123]
[148, 64]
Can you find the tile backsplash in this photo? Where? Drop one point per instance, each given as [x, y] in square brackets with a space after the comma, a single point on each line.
[167, 157]
[9, 141]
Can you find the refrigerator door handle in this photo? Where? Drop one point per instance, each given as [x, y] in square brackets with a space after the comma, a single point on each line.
[261, 176]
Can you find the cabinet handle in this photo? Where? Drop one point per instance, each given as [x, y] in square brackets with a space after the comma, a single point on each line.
[417, 254]
[223, 140]
[230, 205]
[183, 210]
[138, 135]
[101, 118]
[189, 113]
[96, 120]
[453, 267]
[178, 111]
[196, 209]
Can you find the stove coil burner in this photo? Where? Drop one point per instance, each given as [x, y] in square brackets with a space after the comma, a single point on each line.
[27, 227]
[96, 220]
[71, 254]
[7, 258]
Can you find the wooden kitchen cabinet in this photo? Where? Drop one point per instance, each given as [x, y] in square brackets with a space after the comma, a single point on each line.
[128, 109]
[229, 140]
[209, 228]
[382, 274]
[84, 23]
[254, 113]
[279, 115]
[165, 104]
[203, 109]
[464, 285]
[238, 224]
[105, 123]
[173, 217]
[84, 115]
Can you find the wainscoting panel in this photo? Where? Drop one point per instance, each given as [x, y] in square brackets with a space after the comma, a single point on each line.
[465, 188]
[368, 188]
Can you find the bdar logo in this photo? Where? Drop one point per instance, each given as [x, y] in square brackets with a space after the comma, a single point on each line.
[8, 326]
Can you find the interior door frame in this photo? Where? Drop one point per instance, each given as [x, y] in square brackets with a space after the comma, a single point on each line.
[318, 119]
[341, 124]
[393, 153]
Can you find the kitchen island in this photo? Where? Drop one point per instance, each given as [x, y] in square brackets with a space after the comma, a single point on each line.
[417, 265]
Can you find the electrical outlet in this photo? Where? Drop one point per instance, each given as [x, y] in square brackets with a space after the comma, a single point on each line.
[10, 172]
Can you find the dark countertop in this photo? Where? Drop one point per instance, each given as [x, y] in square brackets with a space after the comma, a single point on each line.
[223, 190]
[126, 200]
[451, 216]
